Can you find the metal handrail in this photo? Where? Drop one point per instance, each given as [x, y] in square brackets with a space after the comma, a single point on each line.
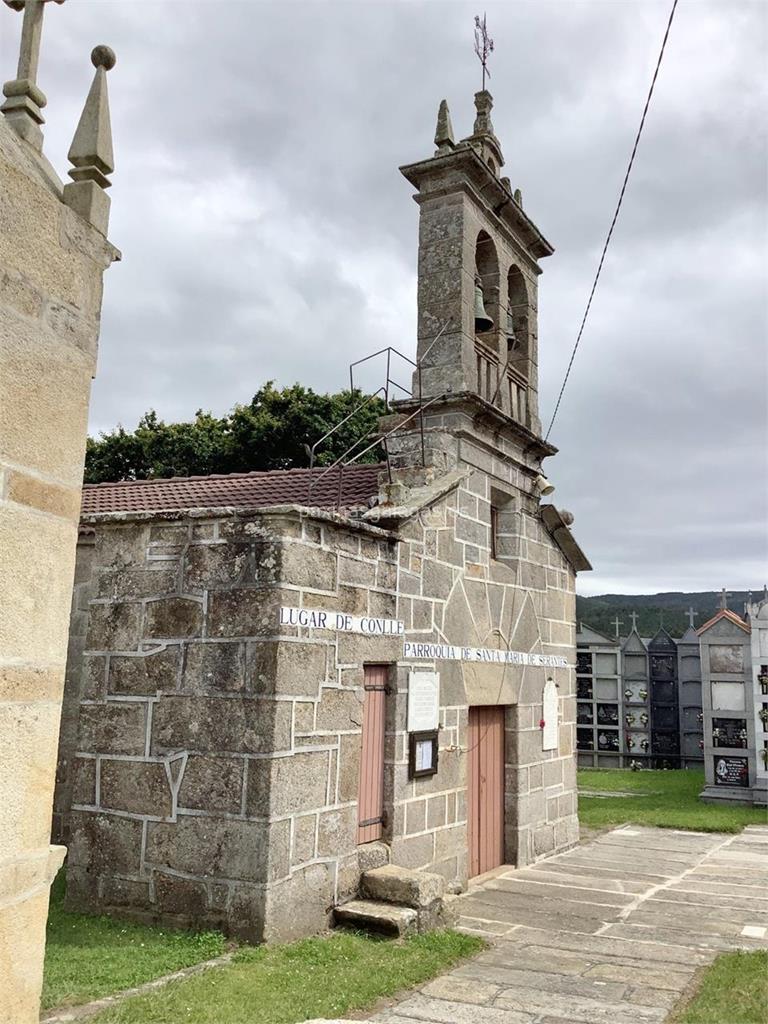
[340, 424]
[383, 391]
[379, 440]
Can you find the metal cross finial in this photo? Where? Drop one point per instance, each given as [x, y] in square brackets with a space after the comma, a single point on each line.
[24, 99]
[616, 623]
[483, 45]
[691, 616]
[633, 616]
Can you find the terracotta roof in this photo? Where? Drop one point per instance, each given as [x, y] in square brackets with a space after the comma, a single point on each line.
[259, 490]
[725, 613]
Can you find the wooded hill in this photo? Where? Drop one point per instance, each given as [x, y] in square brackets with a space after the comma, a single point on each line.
[653, 610]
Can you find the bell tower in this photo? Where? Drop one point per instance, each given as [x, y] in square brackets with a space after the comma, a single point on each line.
[477, 275]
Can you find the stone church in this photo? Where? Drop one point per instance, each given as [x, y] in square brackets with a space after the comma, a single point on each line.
[279, 680]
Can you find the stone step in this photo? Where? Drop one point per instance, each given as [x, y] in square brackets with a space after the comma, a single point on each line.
[394, 884]
[375, 916]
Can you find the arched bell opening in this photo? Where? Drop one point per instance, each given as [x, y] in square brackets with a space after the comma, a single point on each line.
[486, 316]
[517, 344]
[486, 287]
[516, 320]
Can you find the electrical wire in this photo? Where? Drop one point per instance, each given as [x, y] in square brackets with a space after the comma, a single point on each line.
[615, 217]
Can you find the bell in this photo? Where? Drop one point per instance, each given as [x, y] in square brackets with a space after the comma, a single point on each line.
[512, 342]
[482, 321]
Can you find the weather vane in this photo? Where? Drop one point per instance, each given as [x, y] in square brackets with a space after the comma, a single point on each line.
[483, 45]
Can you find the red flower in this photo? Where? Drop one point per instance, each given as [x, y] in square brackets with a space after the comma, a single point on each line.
[542, 723]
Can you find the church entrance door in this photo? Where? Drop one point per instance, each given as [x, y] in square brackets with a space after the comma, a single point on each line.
[486, 789]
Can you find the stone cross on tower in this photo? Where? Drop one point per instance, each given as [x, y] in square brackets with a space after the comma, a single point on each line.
[24, 100]
[616, 623]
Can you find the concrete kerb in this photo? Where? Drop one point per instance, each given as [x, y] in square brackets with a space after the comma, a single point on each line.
[76, 1013]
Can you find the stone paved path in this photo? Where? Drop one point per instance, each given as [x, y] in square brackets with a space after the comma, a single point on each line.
[610, 932]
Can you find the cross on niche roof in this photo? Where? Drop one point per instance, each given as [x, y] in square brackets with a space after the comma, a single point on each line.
[691, 616]
[24, 99]
[633, 616]
[724, 595]
[616, 623]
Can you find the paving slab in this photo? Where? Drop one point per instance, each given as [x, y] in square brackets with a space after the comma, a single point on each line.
[611, 931]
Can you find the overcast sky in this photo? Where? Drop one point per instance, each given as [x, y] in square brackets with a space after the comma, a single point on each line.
[267, 234]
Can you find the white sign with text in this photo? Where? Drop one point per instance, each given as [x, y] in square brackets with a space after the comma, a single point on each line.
[423, 701]
[455, 652]
[340, 621]
[550, 716]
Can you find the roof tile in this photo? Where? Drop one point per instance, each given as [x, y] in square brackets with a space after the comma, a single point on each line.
[236, 490]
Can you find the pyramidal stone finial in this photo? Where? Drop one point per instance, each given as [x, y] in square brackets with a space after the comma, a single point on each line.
[91, 149]
[444, 130]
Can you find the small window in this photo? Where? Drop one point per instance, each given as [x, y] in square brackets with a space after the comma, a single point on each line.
[494, 532]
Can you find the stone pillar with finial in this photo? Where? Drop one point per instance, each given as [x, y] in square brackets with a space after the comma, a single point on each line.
[53, 253]
[91, 149]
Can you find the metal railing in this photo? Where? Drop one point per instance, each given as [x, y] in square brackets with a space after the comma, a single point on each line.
[384, 393]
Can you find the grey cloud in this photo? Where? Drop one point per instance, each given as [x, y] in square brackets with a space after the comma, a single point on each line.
[267, 232]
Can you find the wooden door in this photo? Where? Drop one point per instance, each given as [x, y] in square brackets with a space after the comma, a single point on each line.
[486, 789]
[370, 797]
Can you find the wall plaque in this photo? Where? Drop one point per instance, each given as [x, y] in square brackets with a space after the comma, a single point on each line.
[728, 696]
[423, 701]
[317, 618]
[550, 716]
[728, 658]
[731, 771]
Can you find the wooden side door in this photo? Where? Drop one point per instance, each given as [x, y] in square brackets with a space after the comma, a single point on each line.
[486, 789]
[370, 797]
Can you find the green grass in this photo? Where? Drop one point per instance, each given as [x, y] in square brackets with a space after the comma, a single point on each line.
[734, 990]
[669, 799]
[87, 957]
[319, 977]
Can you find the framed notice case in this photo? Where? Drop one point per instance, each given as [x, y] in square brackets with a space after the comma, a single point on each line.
[422, 753]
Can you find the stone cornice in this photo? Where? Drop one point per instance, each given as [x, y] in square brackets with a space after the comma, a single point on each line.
[509, 213]
[485, 412]
[240, 512]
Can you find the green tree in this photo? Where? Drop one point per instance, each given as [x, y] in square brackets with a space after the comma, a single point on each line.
[273, 431]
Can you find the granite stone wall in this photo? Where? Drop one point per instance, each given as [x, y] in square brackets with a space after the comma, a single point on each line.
[214, 775]
[452, 591]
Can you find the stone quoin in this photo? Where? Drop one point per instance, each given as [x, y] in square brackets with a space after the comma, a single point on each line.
[235, 748]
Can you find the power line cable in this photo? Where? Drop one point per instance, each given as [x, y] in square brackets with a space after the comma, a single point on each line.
[615, 217]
